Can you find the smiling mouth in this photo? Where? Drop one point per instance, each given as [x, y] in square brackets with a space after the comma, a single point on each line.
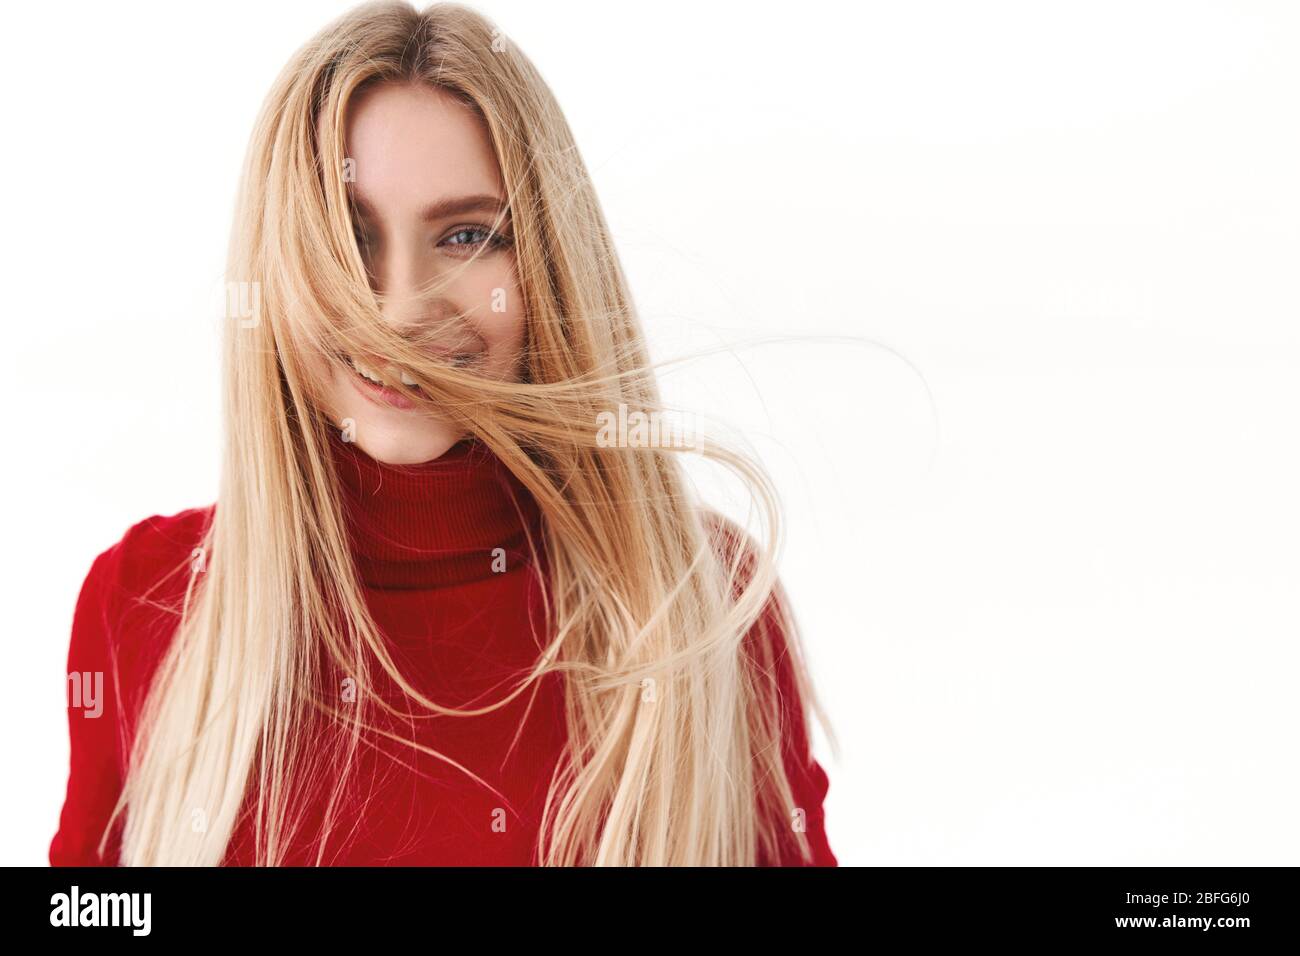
[372, 376]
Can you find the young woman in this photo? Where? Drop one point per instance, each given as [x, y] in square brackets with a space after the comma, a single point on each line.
[438, 614]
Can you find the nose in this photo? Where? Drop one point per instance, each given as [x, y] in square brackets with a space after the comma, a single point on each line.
[400, 273]
[398, 277]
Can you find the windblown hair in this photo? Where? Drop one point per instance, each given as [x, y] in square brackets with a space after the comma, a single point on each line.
[646, 588]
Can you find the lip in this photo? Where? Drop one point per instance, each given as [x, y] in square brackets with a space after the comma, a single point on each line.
[379, 394]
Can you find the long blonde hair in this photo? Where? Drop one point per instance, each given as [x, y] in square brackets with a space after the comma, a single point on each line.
[645, 588]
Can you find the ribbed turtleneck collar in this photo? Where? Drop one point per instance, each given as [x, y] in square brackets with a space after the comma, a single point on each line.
[435, 524]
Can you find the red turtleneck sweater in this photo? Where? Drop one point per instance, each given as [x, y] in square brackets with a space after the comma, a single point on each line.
[459, 628]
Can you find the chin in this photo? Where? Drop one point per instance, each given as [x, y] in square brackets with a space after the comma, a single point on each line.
[405, 444]
[392, 436]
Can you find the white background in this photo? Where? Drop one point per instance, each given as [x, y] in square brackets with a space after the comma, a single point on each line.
[1043, 532]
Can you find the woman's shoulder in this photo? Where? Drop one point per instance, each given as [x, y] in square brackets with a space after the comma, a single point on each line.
[774, 652]
[164, 535]
[730, 540]
[148, 566]
[158, 540]
[126, 613]
[772, 644]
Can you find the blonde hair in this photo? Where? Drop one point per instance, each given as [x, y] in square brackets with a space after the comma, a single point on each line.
[643, 584]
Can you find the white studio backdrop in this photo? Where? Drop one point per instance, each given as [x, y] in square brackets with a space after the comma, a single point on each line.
[1037, 442]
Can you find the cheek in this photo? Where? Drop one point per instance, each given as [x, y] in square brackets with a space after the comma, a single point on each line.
[328, 384]
[341, 395]
[506, 337]
[501, 322]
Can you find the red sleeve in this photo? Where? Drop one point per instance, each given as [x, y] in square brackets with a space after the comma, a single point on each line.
[809, 782]
[769, 650]
[91, 687]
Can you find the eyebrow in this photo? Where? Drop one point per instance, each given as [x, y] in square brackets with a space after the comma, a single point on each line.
[442, 208]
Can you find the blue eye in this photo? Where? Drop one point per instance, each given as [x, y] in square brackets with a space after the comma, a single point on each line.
[457, 237]
[468, 237]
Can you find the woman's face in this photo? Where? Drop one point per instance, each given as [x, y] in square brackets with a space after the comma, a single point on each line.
[427, 190]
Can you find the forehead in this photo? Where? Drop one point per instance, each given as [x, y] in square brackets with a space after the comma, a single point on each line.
[414, 144]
